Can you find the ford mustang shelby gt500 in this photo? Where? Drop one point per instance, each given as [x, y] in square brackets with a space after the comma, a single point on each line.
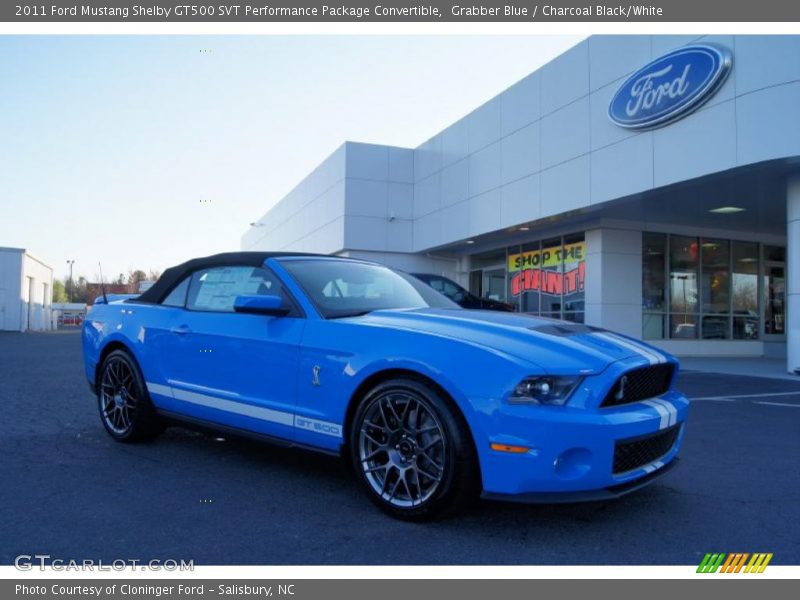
[432, 404]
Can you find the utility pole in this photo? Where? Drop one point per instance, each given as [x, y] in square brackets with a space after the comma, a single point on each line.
[71, 284]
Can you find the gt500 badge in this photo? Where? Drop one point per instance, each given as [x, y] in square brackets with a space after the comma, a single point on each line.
[323, 427]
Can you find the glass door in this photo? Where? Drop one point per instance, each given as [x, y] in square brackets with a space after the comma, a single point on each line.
[493, 284]
[476, 283]
[774, 298]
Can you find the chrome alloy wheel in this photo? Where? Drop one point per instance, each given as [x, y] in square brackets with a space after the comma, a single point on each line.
[118, 396]
[402, 448]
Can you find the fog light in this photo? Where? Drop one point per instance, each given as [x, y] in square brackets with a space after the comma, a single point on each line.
[573, 463]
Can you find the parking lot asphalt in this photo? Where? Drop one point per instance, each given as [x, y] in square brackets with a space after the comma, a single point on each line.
[68, 490]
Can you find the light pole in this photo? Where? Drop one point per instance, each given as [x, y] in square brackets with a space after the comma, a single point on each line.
[71, 285]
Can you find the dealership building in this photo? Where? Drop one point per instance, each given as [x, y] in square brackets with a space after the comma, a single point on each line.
[645, 184]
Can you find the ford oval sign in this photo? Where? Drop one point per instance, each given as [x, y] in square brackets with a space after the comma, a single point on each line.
[670, 87]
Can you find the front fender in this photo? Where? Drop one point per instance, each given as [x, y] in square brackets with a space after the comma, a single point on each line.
[346, 357]
[95, 345]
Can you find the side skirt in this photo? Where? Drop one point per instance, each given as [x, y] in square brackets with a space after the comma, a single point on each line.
[212, 427]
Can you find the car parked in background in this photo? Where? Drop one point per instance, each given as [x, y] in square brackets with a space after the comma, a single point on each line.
[70, 319]
[464, 298]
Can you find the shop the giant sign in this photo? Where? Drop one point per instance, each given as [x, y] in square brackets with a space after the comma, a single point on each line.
[670, 87]
[554, 271]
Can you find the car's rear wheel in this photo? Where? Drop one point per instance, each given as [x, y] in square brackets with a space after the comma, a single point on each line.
[412, 452]
[125, 408]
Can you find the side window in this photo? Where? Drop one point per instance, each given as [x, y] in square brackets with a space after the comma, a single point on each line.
[445, 287]
[450, 290]
[216, 289]
[177, 297]
[437, 284]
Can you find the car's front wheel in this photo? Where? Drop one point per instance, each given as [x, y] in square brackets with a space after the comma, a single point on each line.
[412, 451]
[125, 408]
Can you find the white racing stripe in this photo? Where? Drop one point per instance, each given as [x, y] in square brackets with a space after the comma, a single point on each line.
[652, 356]
[654, 466]
[666, 410]
[162, 390]
[239, 408]
[673, 412]
[248, 410]
[609, 338]
[642, 349]
[662, 412]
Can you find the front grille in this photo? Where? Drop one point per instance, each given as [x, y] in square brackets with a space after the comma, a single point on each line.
[640, 384]
[636, 452]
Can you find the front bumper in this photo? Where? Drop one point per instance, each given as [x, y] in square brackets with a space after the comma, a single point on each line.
[611, 493]
[571, 449]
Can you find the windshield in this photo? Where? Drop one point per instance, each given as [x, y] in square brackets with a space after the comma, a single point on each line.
[434, 298]
[342, 288]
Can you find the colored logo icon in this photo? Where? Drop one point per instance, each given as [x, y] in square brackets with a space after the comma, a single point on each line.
[737, 562]
[670, 87]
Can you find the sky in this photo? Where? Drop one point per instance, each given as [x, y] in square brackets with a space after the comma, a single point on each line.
[145, 151]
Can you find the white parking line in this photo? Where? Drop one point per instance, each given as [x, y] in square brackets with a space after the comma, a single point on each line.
[715, 399]
[732, 397]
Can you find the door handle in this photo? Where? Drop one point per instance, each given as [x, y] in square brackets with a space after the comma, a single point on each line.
[182, 330]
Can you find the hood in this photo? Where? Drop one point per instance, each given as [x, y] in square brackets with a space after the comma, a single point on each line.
[555, 346]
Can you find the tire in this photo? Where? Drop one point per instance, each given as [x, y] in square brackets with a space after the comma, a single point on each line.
[123, 402]
[412, 452]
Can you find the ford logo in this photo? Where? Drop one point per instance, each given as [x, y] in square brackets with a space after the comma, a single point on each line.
[670, 87]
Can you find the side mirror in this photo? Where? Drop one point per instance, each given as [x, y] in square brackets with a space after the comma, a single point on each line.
[261, 305]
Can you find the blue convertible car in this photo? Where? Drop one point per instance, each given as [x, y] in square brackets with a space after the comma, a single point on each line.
[431, 404]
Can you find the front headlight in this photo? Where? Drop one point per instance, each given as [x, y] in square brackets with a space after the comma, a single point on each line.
[553, 390]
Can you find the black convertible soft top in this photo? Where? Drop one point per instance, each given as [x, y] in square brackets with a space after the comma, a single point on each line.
[174, 275]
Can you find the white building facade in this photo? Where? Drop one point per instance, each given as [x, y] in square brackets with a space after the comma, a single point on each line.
[26, 292]
[646, 184]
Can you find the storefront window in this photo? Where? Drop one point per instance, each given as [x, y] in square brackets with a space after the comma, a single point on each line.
[547, 278]
[530, 298]
[775, 309]
[654, 264]
[574, 255]
[683, 261]
[494, 284]
[713, 288]
[774, 290]
[511, 298]
[774, 254]
[552, 280]
[745, 291]
[488, 275]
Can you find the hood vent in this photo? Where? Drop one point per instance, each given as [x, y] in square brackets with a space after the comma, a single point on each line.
[565, 329]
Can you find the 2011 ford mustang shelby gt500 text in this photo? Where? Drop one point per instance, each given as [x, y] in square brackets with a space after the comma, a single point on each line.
[431, 404]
